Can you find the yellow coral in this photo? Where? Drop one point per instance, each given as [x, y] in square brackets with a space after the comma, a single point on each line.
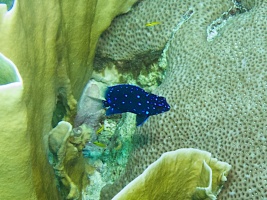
[183, 174]
[52, 44]
[15, 144]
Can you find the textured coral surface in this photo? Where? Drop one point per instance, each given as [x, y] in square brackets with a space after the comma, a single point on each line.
[52, 43]
[182, 174]
[217, 90]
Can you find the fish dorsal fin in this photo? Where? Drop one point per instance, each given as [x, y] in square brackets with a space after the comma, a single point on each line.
[140, 119]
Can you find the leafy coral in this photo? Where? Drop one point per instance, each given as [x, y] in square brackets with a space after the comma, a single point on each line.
[52, 44]
[181, 174]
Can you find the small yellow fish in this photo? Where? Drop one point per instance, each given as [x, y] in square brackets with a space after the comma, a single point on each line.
[153, 23]
[100, 129]
[99, 144]
[119, 146]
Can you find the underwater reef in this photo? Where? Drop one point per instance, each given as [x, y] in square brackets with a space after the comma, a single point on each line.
[207, 58]
[215, 84]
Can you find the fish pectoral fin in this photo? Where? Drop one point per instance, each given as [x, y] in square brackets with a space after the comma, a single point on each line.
[97, 98]
[112, 111]
[140, 119]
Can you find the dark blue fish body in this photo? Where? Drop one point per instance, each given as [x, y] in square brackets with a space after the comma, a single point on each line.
[129, 98]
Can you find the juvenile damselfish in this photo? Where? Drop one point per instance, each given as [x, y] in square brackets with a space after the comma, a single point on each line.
[130, 98]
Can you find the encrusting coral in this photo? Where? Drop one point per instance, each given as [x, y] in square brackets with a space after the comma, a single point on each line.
[181, 174]
[52, 44]
[216, 86]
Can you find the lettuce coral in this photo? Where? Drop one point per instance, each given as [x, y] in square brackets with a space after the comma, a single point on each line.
[14, 148]
[182, 174]
[52, 44]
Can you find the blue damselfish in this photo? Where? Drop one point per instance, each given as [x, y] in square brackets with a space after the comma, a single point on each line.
[130, 98]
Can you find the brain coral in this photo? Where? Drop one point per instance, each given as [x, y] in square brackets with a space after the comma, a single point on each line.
[217, 90]
[129, 37]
